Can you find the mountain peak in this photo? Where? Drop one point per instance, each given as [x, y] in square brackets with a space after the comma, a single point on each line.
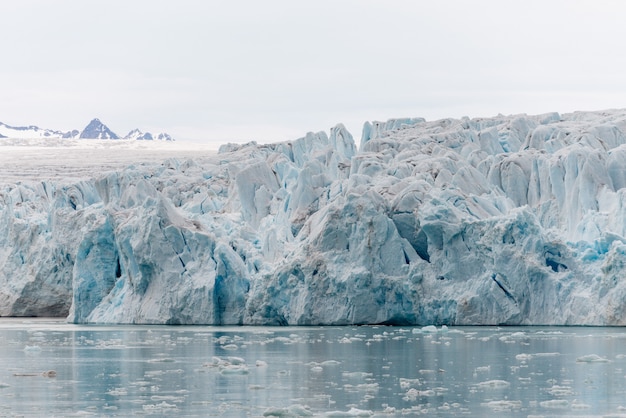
[137, 134]
[97, 130]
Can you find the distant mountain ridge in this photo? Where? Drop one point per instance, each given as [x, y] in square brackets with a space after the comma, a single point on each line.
[95, 129]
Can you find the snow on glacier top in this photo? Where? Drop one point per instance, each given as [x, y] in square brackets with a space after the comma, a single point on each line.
[56, 158]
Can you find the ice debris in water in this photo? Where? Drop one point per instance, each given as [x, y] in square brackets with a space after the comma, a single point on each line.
[503, 405]
[352, 412]
[494, 384]
[407, 383]
[429, 329]
[555, 404]
[413, 394]
[230, 365]
[454, 221]
[592, 358]
[289, 412]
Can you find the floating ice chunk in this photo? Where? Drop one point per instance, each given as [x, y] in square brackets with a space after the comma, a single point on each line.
[232, 369]
[504, 405]
[219, 362]
[32, 349]
[494, 384]
[555, 404]
[576, 404]
[171, 398]
[441, 390]
[284, 340]
[118, 392]
[561, 391]
[162, 360]
[444, 407]
[547, 354]
[407, 383]
[289, 412]
[261, 363]
[412, 394]
[524, 357]
[229, 365]
[235, 360]
[231, 347]
[369, 387]
[353, 412]
[592, 358]
[356, 375]
[159, 407]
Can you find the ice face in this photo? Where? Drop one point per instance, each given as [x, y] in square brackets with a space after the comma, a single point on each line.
[504, 220]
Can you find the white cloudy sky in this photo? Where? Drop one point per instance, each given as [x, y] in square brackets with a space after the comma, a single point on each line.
[272, 70]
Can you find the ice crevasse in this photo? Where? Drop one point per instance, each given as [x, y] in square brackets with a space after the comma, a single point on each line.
[504, 220]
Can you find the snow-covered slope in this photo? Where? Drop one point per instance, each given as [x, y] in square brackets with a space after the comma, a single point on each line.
[31, 132]
[137, 134]
[503, 220]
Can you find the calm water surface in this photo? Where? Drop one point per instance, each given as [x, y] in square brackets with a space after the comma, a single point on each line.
[49, 368]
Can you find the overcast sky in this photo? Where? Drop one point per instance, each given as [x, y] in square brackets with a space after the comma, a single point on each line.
[272, 70]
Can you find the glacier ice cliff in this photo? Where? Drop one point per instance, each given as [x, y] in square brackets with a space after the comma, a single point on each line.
[504, 220]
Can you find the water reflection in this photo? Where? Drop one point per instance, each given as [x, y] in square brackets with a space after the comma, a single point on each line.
[365, 371]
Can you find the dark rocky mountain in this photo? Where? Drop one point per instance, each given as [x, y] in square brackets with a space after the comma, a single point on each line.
[97, 130]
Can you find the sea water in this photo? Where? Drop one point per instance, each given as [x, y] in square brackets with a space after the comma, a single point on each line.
[49, 368]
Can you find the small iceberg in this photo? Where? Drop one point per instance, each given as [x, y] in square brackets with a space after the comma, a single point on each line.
[592, 358]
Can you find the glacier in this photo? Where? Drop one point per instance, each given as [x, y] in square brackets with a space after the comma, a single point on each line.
[517, 219]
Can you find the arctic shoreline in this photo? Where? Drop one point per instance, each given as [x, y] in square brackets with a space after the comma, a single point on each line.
[509, 220]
